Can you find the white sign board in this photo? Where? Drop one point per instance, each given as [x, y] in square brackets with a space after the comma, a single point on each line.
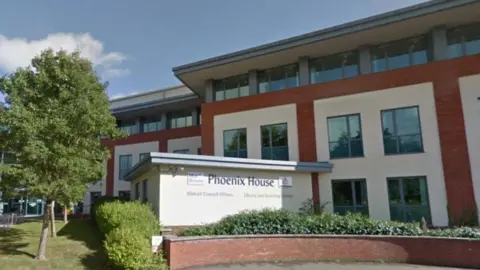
[157, 241]
[208, 196]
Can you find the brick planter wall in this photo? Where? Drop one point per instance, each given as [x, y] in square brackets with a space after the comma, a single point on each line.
[185, 252]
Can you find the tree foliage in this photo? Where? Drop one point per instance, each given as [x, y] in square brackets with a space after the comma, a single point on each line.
[55, 114]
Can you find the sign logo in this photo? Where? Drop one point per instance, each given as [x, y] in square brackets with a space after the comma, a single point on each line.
[195, 179]
[285, 181]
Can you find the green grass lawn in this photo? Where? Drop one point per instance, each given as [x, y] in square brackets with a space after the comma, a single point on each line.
[78, 246]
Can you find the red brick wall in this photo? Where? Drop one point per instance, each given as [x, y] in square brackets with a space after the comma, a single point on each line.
[444, 76]
[429, 251]
[161, 136]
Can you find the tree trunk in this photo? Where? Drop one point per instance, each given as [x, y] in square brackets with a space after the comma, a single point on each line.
[53, 228]
[42, 246]
[65, 213]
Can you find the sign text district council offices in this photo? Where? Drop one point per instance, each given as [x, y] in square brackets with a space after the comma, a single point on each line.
[200, 179]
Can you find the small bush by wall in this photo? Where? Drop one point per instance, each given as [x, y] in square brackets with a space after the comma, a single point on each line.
[128, 226]
[284, 222]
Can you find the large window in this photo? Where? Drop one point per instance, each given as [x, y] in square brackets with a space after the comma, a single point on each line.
[401, 131]
[275, 142]
[125, 164]
[334, 67]
[278, 78]
[399, 54]
[182, 151]
[464, 41]
[235, 143]
[128, 127]
[408, 197]
[345, 136]
[144, 190]
[350, 196]
[152, 125]
[232, 87]
[180, 119]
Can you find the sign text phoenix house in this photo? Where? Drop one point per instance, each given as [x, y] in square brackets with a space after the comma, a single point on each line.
[240, 181]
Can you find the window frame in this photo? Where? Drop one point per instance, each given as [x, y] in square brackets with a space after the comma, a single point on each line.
[393, 110]
[312, 62]
[347, 116]
[403, 205]
[267, 74]
[175, 116]
[271, 141]
[220, 86]
[125, 192]
[120, 169]
[238, 143]
[355, 205]
[137, 191]
[462, 29]
[142, 155]
[387, 47]
[144, 190]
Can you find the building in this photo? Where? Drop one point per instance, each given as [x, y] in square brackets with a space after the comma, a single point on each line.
[392, 101]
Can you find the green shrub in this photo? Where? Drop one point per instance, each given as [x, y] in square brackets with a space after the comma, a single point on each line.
[100, 201]
[127, 248]
[134, 214]
[283, 222]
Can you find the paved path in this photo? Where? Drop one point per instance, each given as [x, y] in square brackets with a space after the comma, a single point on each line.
[323, 266]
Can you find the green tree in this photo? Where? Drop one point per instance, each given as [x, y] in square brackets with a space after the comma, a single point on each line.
[73, 194]
[57, 111]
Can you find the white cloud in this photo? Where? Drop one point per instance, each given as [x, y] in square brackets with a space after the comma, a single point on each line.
[18, 52]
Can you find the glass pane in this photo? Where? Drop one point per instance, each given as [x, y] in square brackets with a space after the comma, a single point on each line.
[264, 87]
[350, 65]
[411, 191]
[230, 153]
[356, 148]
[244, 91]
[472, 39]
[342, 193]
[398, 61]
[337, 129]
[279, 135]
[219, 95]
[188, 121]
[230, 143]
[266, 153]
[231, 93]
[390, 145]
[242, 134]
[394, 191]
[379, 63]
[407, 121]
[265, 137]
[350, 71]
[173, 123]
[242, 153]
[339, 150]
[277, 79]
[455, 50]
[292, 76]
[410, 143]
[181, 122]
[360, 192]
[387, 123]
[419, 57]
[355, 131]
[330, 75]
[472, 47]
[280, 153]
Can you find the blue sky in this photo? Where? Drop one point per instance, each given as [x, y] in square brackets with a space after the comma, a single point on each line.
[135, 44]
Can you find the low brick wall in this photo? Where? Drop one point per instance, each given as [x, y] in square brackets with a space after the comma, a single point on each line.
[185, 252]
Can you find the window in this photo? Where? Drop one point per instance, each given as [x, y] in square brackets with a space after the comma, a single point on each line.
[151, 126]
[8, 158]
[401, 131]
[199, 151]
[275, 142]
[350, 196]
[137, 191]
[334, 67]
[144, 189]
[463, 41]
[125, 164]
[182, 151]
[128, 127]
[232, 87]
[124, 194]
[180, 119]
[399, 54]
[235, 143]
[142, 156]
[408, 197]
[94, 196]
[345, 136]
[278, 78]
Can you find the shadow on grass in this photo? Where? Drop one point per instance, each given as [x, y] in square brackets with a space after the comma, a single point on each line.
[11, 242]
[84, 231]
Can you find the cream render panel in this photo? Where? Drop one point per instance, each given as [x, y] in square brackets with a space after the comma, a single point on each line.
[183, 204]
[130, 149]
[470, 93]
[375, 166]
[190, 143]
[153, 188]
[252, 120]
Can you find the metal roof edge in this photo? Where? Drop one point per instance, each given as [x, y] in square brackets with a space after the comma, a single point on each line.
[338, 30]
[148, 92]
[149, 104]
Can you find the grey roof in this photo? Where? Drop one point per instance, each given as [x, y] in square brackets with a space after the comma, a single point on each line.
[155, 103]
[224, 162]
[335, 31]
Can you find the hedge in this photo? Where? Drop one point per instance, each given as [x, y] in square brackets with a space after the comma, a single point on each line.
[128, 227]
[283, 222]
